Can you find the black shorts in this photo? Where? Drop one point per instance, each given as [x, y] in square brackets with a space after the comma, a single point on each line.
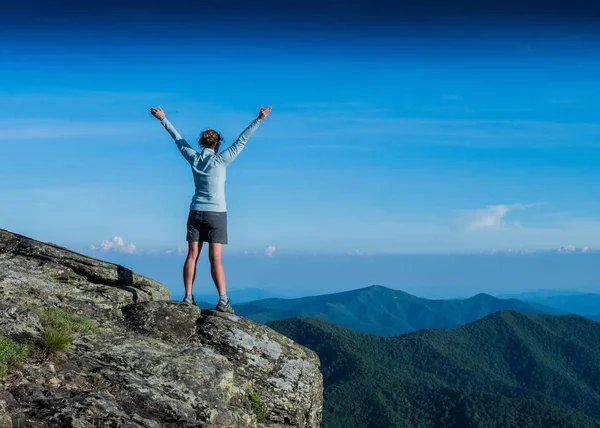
[207, 226]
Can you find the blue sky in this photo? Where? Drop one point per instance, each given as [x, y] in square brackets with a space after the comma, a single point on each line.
[417, 147]
[455, 142]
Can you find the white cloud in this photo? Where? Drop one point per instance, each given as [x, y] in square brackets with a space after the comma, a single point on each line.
[179, 251]
[492, 217]
[573, 249]
[270, 250]
[116, 244]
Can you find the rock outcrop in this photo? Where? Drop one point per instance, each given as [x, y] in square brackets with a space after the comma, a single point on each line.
[150, 362]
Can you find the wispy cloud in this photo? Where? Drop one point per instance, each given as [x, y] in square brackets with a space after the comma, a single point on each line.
[491, 217]
[323, 105]
[385, 128]
[331, 147]
[36, 129]
[179, 251]
[79, 96]
[490, 131]
[116, 244]
[76, 113]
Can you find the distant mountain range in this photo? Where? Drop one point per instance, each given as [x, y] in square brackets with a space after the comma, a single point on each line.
[573, 302]
[507, 369]
[237, 296]
[382, 311]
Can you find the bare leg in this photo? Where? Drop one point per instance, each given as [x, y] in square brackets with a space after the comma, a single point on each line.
[215, 252]
[189, 268]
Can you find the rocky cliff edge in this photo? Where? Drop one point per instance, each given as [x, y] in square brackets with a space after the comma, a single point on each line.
[86, 343]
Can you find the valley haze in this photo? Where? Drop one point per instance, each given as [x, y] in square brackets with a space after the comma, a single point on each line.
[436, 276]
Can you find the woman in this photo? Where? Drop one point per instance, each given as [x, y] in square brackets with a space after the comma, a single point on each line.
[207, 221]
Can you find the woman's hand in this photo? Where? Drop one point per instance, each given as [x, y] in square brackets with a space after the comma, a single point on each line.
[158, 113]
[264, 112]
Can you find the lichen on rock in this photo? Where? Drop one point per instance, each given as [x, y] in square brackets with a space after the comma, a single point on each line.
[151, 362]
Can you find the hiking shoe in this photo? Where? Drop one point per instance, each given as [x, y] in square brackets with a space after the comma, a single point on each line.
[225, 307]
[189, 300]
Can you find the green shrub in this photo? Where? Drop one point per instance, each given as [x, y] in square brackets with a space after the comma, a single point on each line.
[58, 326]
[12, 355]
[55, 340]
[257, 406]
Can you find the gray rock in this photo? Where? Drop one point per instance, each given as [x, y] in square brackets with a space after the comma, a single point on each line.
[6, 401]
[18, 323]
[170, 321]
[153, 363]
[284, 375]
[37, 273]
[6, 421]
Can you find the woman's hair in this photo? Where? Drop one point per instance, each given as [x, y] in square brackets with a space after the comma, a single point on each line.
[211, 139]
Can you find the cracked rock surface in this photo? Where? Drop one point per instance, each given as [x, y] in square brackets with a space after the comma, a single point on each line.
[151, 362]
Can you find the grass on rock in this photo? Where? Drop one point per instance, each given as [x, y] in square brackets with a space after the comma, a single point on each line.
[12, 355]
[58, 327]
[257, 406]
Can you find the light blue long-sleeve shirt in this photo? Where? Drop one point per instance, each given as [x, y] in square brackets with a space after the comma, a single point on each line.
[209, 168]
